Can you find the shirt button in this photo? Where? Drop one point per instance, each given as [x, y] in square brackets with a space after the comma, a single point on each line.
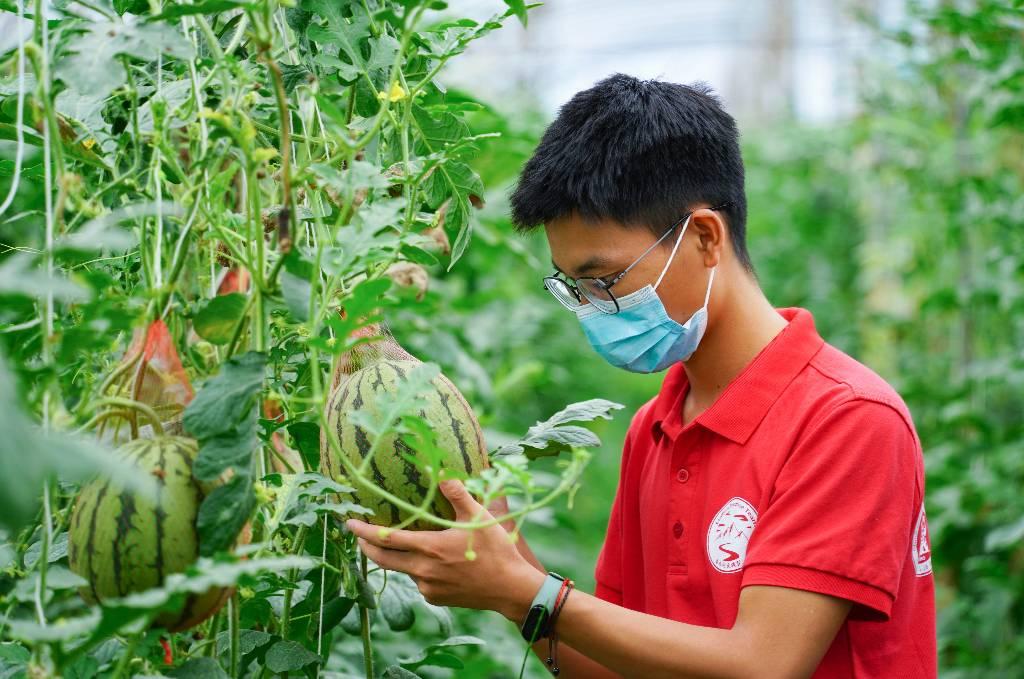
[677, 530]
[682, 476]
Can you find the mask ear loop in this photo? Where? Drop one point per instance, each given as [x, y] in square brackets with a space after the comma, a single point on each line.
[707, 295]
[673, 255]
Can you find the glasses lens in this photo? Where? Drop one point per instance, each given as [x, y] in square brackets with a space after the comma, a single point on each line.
[560, 289]
[597, 294]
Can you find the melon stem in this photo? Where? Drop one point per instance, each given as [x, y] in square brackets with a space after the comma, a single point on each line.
[364, 626]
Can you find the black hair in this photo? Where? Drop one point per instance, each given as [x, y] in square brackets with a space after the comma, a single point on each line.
[640, 152]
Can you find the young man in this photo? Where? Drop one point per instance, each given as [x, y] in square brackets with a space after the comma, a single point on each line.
[769, 519]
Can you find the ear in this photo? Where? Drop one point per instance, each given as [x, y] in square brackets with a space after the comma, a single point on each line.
[712, 235]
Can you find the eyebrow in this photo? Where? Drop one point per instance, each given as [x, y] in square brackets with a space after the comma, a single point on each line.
[591, 264]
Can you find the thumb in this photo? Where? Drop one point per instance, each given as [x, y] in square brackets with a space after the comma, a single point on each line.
[466, 507]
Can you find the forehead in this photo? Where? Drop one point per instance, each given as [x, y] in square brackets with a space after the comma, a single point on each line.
[576, 242]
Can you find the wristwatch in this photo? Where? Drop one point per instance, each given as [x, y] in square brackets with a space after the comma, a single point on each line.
[535, 626]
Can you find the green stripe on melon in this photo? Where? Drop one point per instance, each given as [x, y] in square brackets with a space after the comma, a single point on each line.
[452, 420]
[123, 543]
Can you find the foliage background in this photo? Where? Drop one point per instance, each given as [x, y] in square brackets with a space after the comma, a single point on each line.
[902, 230]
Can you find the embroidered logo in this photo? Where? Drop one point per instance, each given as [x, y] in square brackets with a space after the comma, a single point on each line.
[920, 546]
[729, 534]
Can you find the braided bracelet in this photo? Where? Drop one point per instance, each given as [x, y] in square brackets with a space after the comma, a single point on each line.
[563, 595]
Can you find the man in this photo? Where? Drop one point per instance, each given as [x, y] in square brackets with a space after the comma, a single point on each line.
[769, 519]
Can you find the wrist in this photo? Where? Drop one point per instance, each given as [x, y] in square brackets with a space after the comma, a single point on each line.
[522, 588]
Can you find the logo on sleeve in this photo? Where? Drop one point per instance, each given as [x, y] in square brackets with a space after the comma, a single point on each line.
[920, 547]
[729, 534]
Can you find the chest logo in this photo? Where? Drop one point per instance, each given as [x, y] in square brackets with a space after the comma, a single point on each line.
[729, 534]
[921, 548]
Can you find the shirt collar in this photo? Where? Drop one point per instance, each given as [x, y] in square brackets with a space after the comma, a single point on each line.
[745, 401]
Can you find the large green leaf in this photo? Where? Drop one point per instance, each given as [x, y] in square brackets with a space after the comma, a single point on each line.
[93, 66]
[217, 320]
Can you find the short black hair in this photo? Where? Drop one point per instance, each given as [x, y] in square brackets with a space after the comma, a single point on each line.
[640, 152]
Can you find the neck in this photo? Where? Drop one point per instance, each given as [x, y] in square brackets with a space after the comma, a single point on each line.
[744, 324]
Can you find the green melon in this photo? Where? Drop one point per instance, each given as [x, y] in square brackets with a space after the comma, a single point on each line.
[123, 543]
[450, 417]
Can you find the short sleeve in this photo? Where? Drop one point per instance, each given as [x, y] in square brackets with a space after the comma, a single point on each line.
[608, 570]
[840, 515]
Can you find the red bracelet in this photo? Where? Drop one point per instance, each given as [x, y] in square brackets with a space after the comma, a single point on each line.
[560, 599]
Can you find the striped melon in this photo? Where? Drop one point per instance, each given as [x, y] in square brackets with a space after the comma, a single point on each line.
[452, 420]
[123, 543]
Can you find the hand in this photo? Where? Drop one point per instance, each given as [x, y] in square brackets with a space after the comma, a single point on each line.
[496, 577]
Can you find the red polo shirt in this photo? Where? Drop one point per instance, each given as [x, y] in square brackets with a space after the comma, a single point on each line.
[805, 473]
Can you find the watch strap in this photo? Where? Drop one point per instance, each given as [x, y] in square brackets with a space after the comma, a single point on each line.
[535, 626]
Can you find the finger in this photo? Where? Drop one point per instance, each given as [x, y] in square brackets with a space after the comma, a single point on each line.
[390, 559]
[409, 540]
[465, 505]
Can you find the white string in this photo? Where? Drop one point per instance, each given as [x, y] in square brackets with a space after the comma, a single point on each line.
[20, 151]
[674, 248]
[707, 295]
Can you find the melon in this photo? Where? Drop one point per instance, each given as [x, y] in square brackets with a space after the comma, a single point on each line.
[121, 542]
[452, 420]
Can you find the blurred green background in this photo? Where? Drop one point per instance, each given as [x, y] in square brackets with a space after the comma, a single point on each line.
[900, 227]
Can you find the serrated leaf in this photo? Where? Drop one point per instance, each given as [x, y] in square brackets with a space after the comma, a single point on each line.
[347, 34]
[554, 436]
[92, 65]
[217, 320]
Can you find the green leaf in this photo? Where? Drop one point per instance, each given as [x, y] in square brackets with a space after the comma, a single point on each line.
[399, 672]
[52, 454]
[438, 654]
[364, 593]
[296, 292]
[1005, 536]
[347, 34]
[307, 441]
[176, 11]
[230, 449]
[131, 6]
[99, 233]
[518, 8]
[93, 67]
[554, 436]
[398, 601]
[199, 668]
[359, 175]
[226, 398]
[289, 656]
[223, 513]
[217, 320]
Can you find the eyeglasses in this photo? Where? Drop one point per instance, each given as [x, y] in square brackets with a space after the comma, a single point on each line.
[597, 291]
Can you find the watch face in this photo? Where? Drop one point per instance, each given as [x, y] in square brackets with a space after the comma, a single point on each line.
[533, 627]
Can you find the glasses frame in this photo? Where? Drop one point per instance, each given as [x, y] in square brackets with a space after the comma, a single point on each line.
[600, 282]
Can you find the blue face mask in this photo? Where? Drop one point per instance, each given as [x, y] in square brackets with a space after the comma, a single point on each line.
[642, 337]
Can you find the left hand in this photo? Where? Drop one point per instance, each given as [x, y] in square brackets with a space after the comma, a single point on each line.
[498, 578]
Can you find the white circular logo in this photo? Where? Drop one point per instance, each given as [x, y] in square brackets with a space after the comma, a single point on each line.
[921, 549]
[729, 534]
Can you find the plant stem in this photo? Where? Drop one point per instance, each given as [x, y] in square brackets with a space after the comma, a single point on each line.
[236, 634]
[364, 625]
[300, 541]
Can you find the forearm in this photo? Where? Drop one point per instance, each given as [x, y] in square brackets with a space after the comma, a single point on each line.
[572, 664]
[606, 640]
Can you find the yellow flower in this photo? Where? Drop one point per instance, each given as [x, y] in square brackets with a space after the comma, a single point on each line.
[397, 93]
